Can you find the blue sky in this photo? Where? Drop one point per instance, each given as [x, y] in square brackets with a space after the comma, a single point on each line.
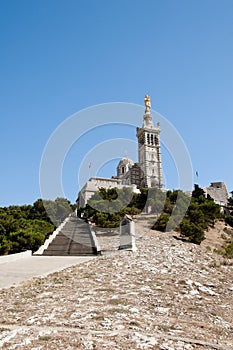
[59, 57]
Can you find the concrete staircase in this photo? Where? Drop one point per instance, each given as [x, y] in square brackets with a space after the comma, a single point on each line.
[75, 238]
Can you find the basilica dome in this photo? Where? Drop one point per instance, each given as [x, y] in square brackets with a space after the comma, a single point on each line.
[123, 166]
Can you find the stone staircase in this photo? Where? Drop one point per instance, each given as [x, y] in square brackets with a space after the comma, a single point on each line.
[75, 238]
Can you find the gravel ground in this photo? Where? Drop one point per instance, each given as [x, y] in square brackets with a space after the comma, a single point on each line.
[168, 295]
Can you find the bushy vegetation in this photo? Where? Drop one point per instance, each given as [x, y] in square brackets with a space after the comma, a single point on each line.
[228, 251]
[202, 212]
[229, 216]
[193, 232]
[26, 227]
[173, 210]
[175, 206]
[107, 207]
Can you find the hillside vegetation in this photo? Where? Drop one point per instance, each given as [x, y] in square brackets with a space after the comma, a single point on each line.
[173, 210]
[202, 213]
[26, 227]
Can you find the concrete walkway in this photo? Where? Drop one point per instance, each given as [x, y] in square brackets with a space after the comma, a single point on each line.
[14, 272]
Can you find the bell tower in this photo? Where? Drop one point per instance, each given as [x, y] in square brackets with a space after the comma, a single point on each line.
[149, 152]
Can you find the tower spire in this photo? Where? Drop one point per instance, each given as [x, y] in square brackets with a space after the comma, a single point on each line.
[147, 119]
[149, 153]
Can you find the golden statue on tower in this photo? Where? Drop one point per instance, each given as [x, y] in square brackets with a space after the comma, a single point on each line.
[147, 102]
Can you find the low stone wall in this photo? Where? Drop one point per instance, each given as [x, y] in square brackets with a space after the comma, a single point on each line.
[47, 242]
[13, 257]
[96, 244]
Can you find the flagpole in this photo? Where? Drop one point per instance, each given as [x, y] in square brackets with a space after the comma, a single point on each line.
[89, 168]
[197, 175]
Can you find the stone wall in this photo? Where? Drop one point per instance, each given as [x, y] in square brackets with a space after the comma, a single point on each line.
[218, 191]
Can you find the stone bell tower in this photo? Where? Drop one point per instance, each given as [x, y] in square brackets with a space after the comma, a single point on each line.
[149, 153]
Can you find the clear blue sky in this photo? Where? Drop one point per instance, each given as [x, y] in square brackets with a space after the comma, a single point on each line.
[58, 57]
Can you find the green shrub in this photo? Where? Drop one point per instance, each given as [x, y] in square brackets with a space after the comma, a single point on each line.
[229, 250]
[27, 226]
[229, 220]
[5, 246]
[194, 233]
[31, 236]
[161, 223]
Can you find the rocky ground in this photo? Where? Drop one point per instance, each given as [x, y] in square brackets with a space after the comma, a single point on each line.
[168, 295]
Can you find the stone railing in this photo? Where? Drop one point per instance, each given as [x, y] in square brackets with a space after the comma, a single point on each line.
[41, 250]
[14, 257]
[95, 242]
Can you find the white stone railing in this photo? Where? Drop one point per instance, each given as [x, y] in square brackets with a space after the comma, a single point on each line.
[41, 250]
[14, 257]
[94, 238]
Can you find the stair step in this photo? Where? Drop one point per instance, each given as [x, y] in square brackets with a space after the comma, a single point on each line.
[74, 239]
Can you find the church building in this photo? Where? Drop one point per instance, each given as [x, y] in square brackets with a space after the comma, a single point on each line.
[147, 172]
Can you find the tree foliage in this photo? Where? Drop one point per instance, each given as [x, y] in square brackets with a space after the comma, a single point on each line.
[202, 212]
[107, 207]
[161, 223]
[27, 226]
[30, 236]
[193, 232]
[229, 220]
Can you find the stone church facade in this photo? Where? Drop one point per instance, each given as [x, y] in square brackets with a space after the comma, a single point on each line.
[147, 172]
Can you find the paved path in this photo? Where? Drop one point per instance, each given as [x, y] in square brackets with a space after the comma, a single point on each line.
[14, 272]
